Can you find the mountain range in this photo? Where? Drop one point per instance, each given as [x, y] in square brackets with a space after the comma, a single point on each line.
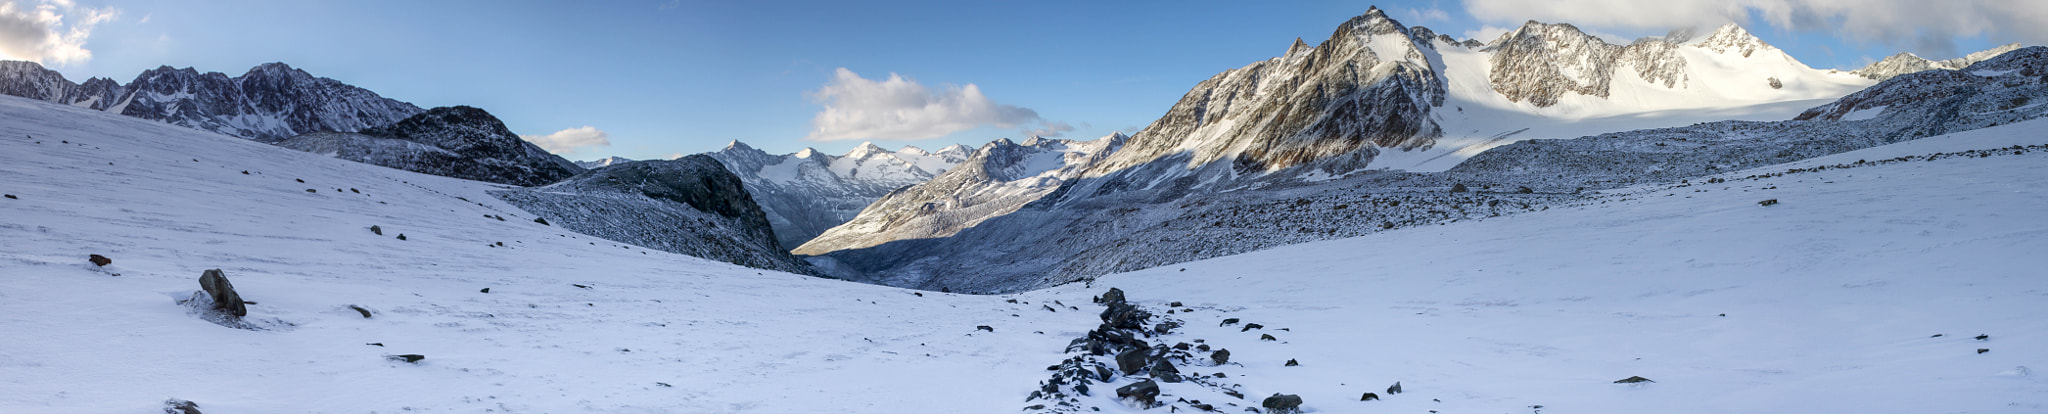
[1358, 134]
[271, 101]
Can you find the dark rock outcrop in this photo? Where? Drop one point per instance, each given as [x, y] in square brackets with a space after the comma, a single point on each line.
[459, 141]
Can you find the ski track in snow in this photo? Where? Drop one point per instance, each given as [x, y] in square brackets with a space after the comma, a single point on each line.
[1831, 297]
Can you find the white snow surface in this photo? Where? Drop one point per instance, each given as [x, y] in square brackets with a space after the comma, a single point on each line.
[1831, 298]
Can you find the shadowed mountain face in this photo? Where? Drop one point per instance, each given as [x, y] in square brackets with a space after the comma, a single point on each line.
[458, 141]
[690, 205]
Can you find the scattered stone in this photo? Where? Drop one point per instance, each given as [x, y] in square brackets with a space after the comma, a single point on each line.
[1292, 363]
[1048, 308]
[309, 190]
[581, 286]
[1131, 360]
[1983, 350]
[1175, 304]
[1221, 356]
[985, 328]
[12, 197]
[1369, 397]
[375, 344]
[542, 221]
[98, 260]
[485, 290]
[1234, 393]
[224, 296]
[1396, 389]
[245, 172]
[1282, 403]
[1183, 346]
[352, 190]
[1165, 327]
[1203, 407]
[1267, 337]
[409, 358]
[299, 179]
[1251, 326]
[664, 385]
[1228, 322]
[401, 236]
[1633, 380]
[177, 406]
[1525, 190]
[359, 309]
[1983, 337]
[918, 294]
[1163, 370]
[1767, 203]
[1143, 390]
[376, 230]
[1935, 336]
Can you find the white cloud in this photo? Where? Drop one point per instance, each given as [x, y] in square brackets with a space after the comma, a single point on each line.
[901, 109]
[570, 140]
[1929, 28]
[1050, 129]
[51, 31]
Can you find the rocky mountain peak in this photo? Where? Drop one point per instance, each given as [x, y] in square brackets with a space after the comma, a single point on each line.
[865, 150]
[1907, 62]
[1542, 62]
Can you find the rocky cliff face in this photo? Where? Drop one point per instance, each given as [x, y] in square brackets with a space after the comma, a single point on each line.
[270, 102]
[460, 141]
[807, 192]
[690, 205]
[1372, 84]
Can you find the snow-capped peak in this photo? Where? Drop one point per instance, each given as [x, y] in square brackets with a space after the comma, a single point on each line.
[1732, 38]
[736, 145]
[865, 150]
[912, 150]
[807, 152]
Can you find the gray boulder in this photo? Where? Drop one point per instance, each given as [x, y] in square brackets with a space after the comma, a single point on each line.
[224, 296]
[177, 406]
[1144, 391]
[1282, 403]
[1130, 361]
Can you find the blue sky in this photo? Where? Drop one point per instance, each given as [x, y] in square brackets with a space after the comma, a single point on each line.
[666, 77]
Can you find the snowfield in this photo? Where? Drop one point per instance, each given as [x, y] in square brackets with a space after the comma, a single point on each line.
[1832, 298]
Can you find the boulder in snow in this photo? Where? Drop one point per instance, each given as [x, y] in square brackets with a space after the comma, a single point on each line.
[224, 296]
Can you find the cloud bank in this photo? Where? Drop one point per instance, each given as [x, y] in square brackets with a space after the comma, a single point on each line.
[1927, 27]
[51, 31]
[570, 140]
[901, 109]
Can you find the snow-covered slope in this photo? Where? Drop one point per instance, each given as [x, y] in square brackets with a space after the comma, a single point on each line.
[1833, 295]
[807, 192]
[270, 102]
[458, 141]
